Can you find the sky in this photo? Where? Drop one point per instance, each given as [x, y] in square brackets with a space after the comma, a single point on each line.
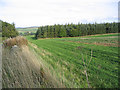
[26, 13]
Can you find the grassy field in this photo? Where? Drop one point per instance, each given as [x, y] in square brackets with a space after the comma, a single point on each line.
[89, 61]
[23, 30]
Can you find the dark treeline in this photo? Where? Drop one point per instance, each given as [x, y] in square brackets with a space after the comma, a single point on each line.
[8, 30]
[73, 30]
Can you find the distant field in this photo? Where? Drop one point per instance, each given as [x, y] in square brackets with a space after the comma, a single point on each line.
[68, 59]
[22, 30]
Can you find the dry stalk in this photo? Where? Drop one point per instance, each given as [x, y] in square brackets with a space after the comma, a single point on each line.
[86, 67]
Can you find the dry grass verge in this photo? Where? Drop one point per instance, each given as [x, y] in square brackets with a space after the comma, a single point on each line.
[21, 68]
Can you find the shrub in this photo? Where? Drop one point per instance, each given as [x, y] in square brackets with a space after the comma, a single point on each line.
[19, 41]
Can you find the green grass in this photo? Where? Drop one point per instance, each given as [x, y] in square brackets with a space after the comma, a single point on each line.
[0, 34]
[64, 57]
[0, 37]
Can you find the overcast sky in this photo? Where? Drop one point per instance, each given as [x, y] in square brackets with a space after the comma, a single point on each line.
[25, 13]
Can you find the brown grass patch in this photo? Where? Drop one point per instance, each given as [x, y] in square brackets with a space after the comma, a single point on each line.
[107, 44]
[80, 47]
[19, 41]
[96, 43]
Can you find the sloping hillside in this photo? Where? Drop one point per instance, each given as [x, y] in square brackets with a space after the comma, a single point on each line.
[81, 62]
[21, 69]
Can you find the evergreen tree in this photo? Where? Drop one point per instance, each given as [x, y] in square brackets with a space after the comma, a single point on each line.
[62, 32]
[73, 30]
[8, 30]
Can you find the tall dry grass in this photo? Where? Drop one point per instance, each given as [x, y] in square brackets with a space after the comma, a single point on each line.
[22, 69]
[19, 41]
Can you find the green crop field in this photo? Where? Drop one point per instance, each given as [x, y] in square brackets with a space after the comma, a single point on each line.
[89, 61]
[23, 30]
